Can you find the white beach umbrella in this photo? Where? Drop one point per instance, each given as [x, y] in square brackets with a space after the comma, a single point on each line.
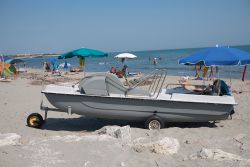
[126, 56]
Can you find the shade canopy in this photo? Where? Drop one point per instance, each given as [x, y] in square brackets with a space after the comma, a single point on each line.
[52, 60]
[83, 52]
[126, 56]
[217, 56]
[14, 61]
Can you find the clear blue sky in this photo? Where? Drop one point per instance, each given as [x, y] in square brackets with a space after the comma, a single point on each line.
[38, 26]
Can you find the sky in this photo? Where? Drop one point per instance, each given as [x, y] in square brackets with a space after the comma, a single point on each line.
[57, 26]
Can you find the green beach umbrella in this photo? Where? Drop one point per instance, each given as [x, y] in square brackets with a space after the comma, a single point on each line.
[83, 52]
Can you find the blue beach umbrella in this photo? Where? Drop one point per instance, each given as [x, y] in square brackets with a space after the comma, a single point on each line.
[83, 52]
[217, 56]
[53, 61]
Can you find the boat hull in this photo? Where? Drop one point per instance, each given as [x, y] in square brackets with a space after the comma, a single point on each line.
[139, 109]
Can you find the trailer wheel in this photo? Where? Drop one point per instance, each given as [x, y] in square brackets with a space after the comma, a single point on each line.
[154, 123]
[35, 120]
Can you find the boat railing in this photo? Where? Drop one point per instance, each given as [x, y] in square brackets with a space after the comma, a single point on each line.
[154, 81]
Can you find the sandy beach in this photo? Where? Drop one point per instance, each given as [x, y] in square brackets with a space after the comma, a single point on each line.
[72, 140]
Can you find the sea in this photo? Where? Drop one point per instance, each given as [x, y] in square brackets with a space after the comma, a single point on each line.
[166, 59]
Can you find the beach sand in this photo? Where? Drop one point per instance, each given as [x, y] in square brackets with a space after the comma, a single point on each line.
[72, 140]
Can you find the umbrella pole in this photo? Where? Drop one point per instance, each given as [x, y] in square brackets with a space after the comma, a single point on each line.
[44, 68]
[230, 75]
[63, 66]
[218, 73]
[44, 65]
[3, 67]
[106, 62]
[84, 67]
[43, 81]
[83, 71]
[244, 73]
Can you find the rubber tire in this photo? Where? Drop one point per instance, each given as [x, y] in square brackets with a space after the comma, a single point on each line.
[154, 118]
[39, 122]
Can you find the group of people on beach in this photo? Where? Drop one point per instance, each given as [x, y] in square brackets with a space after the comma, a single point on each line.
[213, 71]
[52, 66]
[120, 73]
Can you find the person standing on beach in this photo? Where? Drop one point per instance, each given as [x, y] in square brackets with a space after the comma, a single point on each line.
[82, 62]
[212, 70]
[47, 67]
[197, 70]
[204, 72]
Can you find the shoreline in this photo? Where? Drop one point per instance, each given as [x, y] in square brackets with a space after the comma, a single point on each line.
[79, 75]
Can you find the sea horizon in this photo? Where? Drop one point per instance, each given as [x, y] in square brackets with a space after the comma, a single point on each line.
[166, 59]
[22, 55]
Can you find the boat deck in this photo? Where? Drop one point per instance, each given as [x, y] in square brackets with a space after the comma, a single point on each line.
[165, 94]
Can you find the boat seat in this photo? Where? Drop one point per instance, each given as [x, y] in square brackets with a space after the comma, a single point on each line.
[93, 85]
[105, 84]
[115, 86]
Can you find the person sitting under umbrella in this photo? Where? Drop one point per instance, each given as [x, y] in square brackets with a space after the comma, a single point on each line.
[112, 70]
[47, 67]
[123, 72]
[117, 71]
